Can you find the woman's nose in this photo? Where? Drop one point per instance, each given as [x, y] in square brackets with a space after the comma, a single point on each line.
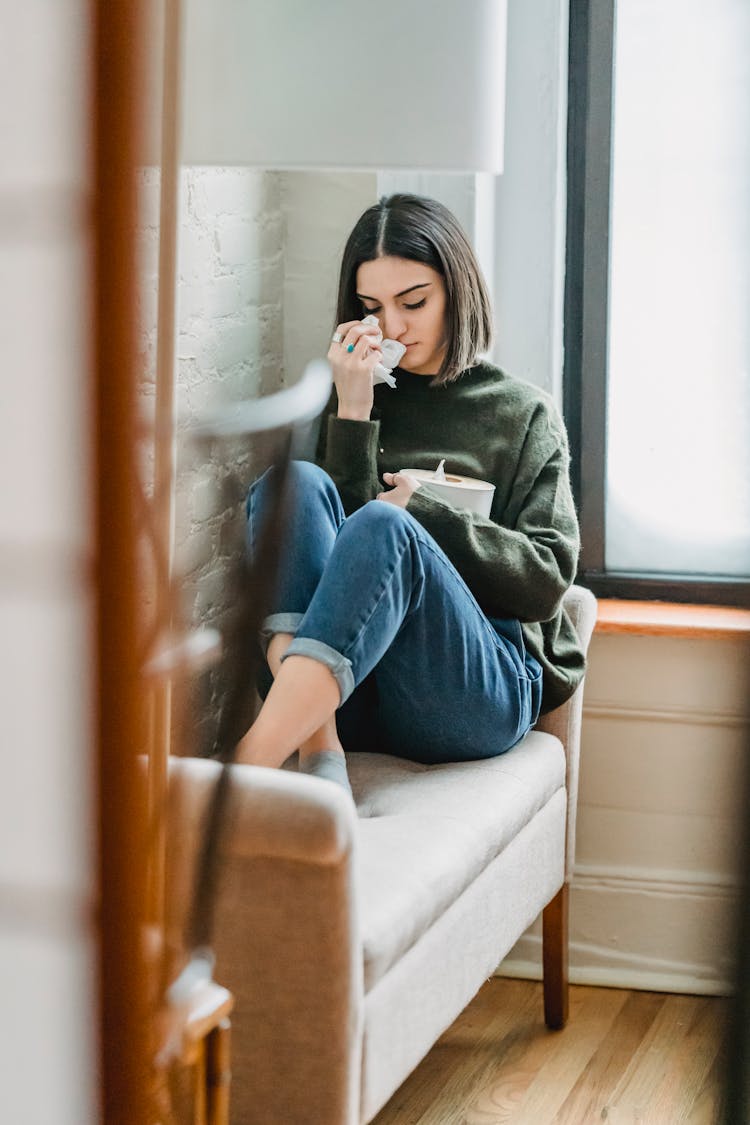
[394, 326]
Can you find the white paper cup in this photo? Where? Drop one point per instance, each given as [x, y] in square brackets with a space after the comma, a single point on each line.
[461, 492]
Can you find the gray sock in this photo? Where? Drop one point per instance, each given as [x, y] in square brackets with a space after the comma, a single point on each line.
[328, 764]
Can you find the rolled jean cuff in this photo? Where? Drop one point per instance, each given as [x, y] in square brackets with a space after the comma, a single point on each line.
[278, 623]
[324, 654]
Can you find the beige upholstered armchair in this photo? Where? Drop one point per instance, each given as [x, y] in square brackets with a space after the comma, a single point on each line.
[351, 942]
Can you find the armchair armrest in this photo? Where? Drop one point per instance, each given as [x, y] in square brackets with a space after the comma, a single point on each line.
[565, 722]
[286, 933]
[273, 812]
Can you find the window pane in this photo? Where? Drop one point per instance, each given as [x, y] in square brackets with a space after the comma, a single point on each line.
[678, 463]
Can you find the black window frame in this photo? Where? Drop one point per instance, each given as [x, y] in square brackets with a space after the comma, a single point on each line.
[591, 42]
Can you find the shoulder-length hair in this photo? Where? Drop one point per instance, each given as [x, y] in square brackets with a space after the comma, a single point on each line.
[423, 230]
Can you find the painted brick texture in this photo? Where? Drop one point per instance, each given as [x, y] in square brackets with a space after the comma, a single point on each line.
[229, 347]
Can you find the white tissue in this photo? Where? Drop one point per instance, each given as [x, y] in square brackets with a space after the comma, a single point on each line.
[392, 353]
[440, 471]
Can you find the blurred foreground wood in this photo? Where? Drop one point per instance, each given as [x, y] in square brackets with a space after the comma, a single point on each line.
[207, 1053]
[624, 1057]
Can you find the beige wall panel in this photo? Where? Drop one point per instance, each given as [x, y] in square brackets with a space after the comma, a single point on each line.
[671, 767]
[664, 745]
[626, 839]
[665, 673]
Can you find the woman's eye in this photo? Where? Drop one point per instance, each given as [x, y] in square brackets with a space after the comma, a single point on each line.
[418, 304]
[374, 309]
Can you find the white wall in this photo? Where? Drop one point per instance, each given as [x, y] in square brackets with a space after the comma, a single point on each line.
[665, 738]
[47, 952]
[530, 197]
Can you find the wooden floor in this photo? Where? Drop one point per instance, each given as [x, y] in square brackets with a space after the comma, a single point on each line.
[624, 1057]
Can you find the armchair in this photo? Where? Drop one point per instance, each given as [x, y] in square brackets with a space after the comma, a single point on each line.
[352, 941]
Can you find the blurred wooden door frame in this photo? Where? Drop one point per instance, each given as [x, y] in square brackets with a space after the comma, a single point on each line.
[116, 92]
[131, 815]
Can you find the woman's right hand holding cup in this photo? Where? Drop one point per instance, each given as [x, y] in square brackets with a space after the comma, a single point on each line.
[353, 355]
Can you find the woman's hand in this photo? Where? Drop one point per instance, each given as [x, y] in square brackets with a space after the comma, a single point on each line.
[352, 370]
[403, 487]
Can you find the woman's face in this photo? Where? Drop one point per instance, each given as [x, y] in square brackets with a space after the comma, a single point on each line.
[408, 298]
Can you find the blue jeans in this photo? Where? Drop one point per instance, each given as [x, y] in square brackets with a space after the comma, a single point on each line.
[423, 673]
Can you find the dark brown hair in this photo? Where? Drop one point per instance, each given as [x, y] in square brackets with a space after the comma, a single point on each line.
[423, 230]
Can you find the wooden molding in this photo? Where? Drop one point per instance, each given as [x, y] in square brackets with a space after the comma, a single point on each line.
[670, 619]
[684, 716]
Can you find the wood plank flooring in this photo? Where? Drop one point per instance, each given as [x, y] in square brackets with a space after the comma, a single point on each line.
[625, 1057]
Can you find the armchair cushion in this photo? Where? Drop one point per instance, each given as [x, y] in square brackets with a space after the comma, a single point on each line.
[426, 833]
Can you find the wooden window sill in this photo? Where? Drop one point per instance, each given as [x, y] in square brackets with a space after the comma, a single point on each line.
[670, 619]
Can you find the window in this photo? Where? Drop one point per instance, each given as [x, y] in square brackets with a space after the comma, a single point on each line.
[657, 342]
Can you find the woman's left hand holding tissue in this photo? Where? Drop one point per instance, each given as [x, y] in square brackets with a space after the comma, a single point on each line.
[403, 487]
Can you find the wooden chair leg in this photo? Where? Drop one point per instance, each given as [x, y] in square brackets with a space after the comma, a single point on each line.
[218, 1073]
[555, 959]
[199, 1086]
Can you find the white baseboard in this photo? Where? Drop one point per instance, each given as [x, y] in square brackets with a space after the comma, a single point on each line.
[620, 976]
[659, 931]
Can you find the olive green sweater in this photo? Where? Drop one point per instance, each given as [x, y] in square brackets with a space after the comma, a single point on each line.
[486, 424]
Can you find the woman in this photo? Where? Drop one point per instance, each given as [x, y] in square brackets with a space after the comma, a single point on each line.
[402, 624]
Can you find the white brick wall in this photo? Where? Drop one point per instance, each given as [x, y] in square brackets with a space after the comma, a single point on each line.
[229, 347]
[230, 283]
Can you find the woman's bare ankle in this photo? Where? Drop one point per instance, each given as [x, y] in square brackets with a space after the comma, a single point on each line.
[277, 646]
[300, 703]
[323, 739]
[326, 737]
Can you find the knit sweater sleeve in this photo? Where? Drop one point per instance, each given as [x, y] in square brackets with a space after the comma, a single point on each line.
[348, 451]
[520, 562]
